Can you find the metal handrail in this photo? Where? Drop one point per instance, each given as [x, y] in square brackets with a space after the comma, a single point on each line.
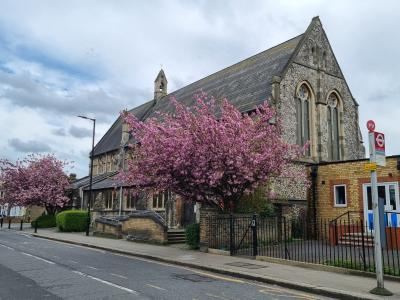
[344, 214]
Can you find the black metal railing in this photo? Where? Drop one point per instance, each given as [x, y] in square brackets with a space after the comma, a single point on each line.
[346, 242]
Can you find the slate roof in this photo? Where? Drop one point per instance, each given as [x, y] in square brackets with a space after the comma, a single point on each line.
[85, 181]
[109, 182]
[245, 84]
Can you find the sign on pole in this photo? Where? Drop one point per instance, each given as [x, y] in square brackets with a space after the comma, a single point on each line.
[377, 149]
[380, 149]
[370, 167]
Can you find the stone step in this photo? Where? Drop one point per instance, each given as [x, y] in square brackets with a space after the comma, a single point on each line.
[176, 236]
[176, 242]
[357, 238]
[355, 243]
[358, 234]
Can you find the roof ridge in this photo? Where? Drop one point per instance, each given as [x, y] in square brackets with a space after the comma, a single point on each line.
[235, 64]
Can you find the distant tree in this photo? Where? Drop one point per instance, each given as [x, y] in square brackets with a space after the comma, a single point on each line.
[35, 180]
[209, 153]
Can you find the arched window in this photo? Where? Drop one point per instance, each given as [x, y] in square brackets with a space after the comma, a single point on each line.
[303, 99]
[333, 127]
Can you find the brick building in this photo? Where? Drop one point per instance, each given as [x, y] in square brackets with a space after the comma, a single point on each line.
[345, 186]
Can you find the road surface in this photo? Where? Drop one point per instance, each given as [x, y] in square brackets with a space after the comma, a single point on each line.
[34, 268]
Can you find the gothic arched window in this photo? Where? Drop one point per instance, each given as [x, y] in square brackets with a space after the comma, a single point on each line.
[303, 104]
[333, 127]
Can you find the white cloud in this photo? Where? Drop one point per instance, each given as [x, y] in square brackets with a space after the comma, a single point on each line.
[62, 59]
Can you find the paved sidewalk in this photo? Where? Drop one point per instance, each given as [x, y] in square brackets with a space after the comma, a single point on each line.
[343, 286]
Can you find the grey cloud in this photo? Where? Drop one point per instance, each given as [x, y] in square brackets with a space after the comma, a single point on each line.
[59, 132]
[30, 146]
[25, 91]
[79, 132]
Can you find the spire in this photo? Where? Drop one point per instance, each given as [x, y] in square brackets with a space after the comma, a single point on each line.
[160, 85]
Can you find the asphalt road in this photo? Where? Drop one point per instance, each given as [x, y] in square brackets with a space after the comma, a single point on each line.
[33, 268]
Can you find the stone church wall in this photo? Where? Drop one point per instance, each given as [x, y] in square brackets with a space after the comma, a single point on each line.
[297, 74]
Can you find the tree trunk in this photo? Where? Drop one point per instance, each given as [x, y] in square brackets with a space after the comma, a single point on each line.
[50, 209]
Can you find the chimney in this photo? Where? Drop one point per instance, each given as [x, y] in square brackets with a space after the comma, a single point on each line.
[160, 85]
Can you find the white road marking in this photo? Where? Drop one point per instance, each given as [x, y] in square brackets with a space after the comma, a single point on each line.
[9, 248]
[120, 276]
[92, 267]
[155, 287]
[25, 235]
[215, 296]
[107, 282]
[38, 258]
[72, 261]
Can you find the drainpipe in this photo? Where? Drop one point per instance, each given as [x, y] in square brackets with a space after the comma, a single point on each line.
[314, 175]
[120, 189]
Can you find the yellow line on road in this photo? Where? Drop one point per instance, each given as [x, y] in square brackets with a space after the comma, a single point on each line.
[286, 293]
[219, 277]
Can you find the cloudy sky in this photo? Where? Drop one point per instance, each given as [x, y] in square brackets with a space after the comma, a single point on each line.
[60, 59]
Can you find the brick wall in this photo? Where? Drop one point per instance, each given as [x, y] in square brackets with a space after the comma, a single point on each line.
[353, 175]
[205, 213]
[145, 229]
[104, 229]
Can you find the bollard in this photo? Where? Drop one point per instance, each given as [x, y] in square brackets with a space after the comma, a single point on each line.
[1, 223]
[9, 223]
[20, 227]
[36, 226]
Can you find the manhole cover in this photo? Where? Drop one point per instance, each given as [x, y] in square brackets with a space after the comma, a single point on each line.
[245, 265]
[193, 277]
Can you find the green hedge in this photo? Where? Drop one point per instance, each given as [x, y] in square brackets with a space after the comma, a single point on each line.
[45, 221]
[72, 220]
[192, 233]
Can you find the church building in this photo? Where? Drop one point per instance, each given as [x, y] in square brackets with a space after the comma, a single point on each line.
[300, 77]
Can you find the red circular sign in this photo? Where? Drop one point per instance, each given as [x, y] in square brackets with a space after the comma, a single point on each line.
[371, 125]
[380, 140]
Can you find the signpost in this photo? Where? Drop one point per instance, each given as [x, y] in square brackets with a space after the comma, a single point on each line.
[376, 157]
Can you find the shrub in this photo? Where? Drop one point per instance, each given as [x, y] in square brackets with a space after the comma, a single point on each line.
[192, 233]
[45, 221]
[72, 220]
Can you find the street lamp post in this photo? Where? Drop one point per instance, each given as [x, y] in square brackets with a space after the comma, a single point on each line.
[91, 173]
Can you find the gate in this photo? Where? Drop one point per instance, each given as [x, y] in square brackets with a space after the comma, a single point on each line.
[236, 234]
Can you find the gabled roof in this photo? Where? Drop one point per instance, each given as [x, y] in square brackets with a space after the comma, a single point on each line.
[245, 84]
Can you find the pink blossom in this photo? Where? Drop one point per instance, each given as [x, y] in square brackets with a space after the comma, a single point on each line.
[211, 153]
[35, 180]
